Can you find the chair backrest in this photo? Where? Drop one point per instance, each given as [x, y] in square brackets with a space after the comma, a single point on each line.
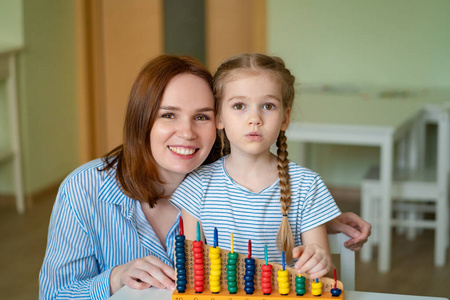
[347, 259]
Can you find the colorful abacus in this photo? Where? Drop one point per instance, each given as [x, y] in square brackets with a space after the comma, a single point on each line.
[180, 259]
[199, 266]
[264, 285]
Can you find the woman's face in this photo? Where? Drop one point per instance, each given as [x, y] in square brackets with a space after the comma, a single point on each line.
[184, 129]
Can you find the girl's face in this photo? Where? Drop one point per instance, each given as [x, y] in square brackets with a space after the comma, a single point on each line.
[184, 129]
[252, 113]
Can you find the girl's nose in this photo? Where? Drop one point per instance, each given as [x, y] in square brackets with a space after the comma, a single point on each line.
[255, 119]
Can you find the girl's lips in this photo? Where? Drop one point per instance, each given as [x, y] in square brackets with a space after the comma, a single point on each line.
[254, 136]
[184, 151]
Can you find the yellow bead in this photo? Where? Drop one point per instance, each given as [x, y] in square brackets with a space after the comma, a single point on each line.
[316, 292]
[215, 272]
[282, 273]
[316, 285]
[283, 291]
[282, 279]
[215, 289]
[216, 261]
[214, 250]
[284, 285]
[216, 267]
[214, 255]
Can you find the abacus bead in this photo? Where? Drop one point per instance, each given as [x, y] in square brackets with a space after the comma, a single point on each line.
[250, 261]
[250, 267]
[266, 279]
[282, 273]
[198, 255]
[180, 255]
[181, 276]
[199, 277]
[216, 267]
[199, 289]
[266, 291]
[198, 260]
[232, 289]
[282, 279]
[215, 289]
[197, 244]
[181, 288]
[316, 292]
[266, 267]
[214, 250]
[284, 285]
[249, 272]
[299, 279]
[248, 278]
[233, 255]
[198, 267]
[179, 244]
[231, 267]
[267, 273]
[300, 292]
[181, 282]
[231, 261]
[284, 291]
[336, 292]
[214, 255]
[215, 272]
[232, 284]
[181, 260]
[181, 271]
[215, 261]
[266, 284]
[231, 278]
[197, 250]
[316, 285]
[299, 285]
[249, 290]
[179, 238]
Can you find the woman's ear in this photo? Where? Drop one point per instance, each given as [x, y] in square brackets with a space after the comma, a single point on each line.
[286, 119]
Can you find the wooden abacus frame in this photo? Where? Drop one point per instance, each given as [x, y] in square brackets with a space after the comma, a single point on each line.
[189, 294]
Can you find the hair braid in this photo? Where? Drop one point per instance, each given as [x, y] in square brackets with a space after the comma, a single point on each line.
[285, 239]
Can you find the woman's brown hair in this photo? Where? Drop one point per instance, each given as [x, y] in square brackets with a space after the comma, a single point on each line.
[137, 170]
[254, 64]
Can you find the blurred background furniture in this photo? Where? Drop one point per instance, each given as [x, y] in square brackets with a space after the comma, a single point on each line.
[349, 120]
[346, 259]
[8, 74]
[416, 190]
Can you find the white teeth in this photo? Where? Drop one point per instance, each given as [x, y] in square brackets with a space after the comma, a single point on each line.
[182, 151]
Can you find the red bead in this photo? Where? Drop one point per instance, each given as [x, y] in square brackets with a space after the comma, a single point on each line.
[266, 291]
[198, 255]
[266, 274]
[197, 250]
[199, 272]
[266, 284]
[199, 282]
[198, 289]
[198, 261]
[266, 279]
[199, 278]
[197, 244]
[266, 267]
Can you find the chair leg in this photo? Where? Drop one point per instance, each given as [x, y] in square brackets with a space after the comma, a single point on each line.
[368, 204]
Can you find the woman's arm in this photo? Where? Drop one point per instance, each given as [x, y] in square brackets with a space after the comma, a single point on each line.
[352, 225]
[314, 254]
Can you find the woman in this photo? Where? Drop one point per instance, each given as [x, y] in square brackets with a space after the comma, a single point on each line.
[112, 224]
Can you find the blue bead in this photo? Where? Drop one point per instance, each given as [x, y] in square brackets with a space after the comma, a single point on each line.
[250, 267]
[179, 244]
[180, 238]
[180, 266]
[180, 255]
[249, 290]
[181, 276]
[249, 284]
[249, 277]
[335, 292]
[181, 288]
[181, 260]
[181, 282]
[250, 272]
[249, 261]
[181, 271]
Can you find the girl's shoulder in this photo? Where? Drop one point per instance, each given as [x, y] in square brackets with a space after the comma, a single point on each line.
[209, 169]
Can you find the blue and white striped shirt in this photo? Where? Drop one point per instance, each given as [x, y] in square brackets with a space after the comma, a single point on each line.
[94, 227]
[212, 197]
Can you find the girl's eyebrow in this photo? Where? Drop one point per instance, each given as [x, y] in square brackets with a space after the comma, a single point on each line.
[175, 108]
[244, 98]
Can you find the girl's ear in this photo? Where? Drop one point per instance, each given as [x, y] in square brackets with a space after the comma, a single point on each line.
[286, 120]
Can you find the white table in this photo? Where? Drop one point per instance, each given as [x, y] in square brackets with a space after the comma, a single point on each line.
[127, 293]
[350, 120]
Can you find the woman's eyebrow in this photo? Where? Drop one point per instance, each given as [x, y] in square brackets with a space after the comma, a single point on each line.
[175, 108]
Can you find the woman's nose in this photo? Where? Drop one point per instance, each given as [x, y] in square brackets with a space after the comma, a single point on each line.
[186, 131]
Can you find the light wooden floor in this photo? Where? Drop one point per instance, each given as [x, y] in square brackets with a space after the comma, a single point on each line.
[23, 241]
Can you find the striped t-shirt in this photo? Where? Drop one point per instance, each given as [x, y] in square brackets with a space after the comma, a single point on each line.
[211, 196]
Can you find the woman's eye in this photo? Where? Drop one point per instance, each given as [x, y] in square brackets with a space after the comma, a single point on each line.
[201, 118]
[168, 116]
[239, 106]
[268, 106]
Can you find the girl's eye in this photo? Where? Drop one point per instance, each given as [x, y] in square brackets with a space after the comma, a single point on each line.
[201, 118]
[268, 106]
[168, 116]
[239, 106]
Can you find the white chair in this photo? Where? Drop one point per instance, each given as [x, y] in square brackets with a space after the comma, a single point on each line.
[347, 259]
[415, 193]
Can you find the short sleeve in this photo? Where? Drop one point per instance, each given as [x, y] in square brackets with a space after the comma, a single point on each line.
[189, 195]
[319, 206]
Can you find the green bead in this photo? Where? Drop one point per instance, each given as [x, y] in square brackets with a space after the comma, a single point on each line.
[233, 289]
[300, 291]
[231, 278]
[300, 285]
[233, 255]
[231, 267]
[232, 261]
[231, 273]
[232, 283]
[299, 279]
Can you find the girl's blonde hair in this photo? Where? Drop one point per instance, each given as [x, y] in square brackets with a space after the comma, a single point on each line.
[231, 70]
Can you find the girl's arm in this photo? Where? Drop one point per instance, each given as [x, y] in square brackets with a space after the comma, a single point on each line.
[314, 254]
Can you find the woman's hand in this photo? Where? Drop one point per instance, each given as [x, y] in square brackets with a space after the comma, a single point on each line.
[352, 225]
[314, 260]
[143, 273]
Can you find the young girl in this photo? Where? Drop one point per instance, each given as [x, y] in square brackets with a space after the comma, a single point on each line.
[251, 192]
